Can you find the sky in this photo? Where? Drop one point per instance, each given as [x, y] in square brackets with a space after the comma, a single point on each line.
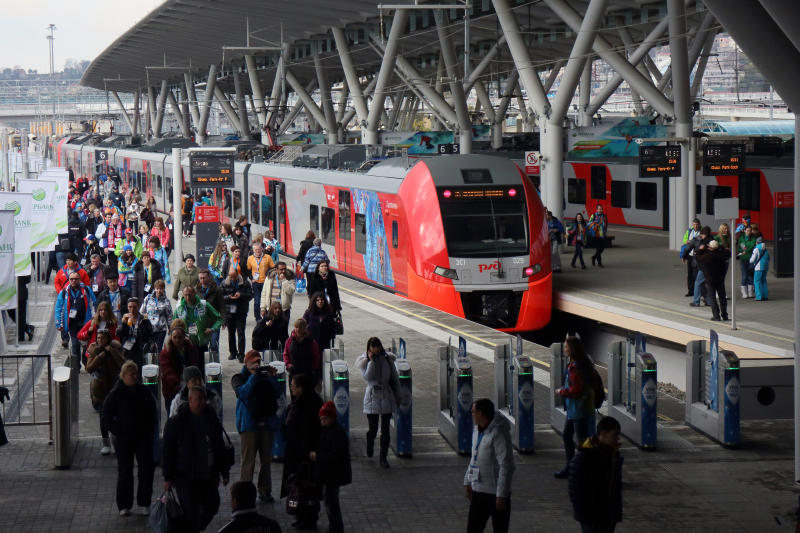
[84, 29]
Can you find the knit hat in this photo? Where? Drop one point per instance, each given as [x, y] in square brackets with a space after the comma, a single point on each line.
[128, 231]
[328, 409]
[190, 373]
[251, 356]
[127, 248]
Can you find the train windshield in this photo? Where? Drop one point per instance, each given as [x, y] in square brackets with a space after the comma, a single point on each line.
[484, 223]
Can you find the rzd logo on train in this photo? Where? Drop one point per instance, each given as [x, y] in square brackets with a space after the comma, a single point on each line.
[490, 266]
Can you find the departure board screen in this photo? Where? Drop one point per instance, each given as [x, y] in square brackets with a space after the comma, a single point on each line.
[211, 169]
[659, 161]
[723, 159]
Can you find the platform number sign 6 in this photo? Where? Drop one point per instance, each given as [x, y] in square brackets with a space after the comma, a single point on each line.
[101, 155]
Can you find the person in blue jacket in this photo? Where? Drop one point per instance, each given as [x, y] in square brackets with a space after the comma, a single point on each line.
[255, 433]
[74, 307]
[760, 260]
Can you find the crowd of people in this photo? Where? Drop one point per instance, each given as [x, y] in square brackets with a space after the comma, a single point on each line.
[580, 234]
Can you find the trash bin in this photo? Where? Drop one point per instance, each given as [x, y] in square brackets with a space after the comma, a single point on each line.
[66, 431]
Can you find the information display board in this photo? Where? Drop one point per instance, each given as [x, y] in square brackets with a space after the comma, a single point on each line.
[206, 219]
[659, 161]
[723, 159]
[211, 169]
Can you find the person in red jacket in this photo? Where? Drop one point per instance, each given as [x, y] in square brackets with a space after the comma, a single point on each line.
[178, 353]
[302, 353]
[62, 277]
[103, 319]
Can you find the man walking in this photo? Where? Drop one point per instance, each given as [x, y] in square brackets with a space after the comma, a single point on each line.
[488, 478]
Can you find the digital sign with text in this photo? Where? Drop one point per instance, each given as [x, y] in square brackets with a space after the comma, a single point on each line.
[211, 169]
[659, 161]
[723, 159]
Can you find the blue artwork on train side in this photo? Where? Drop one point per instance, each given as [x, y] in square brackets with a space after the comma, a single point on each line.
[377, 263]
[617, 141]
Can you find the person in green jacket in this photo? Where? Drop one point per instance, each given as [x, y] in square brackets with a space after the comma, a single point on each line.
[744, 250]
[200, 317]
[130, 240]
[187, 276]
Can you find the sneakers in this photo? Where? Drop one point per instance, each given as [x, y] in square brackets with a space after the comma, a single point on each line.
[106, 449]
[694, 304]
[65, 344]
[715, 319]
[370, 447]
[125, 512]
[231, 357]
[384, 463]
[561, 474]
[266, 498]
[142, 511]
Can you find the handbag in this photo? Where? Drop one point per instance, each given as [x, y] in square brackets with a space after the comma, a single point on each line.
[230, 451]
[300, 288]
[338, 325]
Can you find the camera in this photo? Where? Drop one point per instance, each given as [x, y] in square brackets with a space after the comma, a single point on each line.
[265, 370]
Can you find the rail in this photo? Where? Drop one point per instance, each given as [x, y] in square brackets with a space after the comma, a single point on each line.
[20, 373]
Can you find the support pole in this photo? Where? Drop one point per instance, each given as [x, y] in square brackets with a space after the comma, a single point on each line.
[162, 104]
[551, 79]
[456, 86]
[150, 118]
[6, 173]
[136, 117]
[206, 111]
[484, 63]
[177, 197]
[24, 148]
[350, 113]
[304, 95]
[241, 106]
[796, 306]
[702, 62]
[186, 114]
[227, 108]
[384, 75]
[683, 124]
[585, 94]
[329, 123]
[258, 94]
[122, 108]
[359, 102]
[178, 114]
[194, 109]
[295, 109]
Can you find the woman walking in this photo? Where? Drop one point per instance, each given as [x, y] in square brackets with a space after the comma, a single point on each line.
[158, 310]
[577, 237]
[578, 394]
[597, 228]
[104, 363]
[320, 319]
[377, 367]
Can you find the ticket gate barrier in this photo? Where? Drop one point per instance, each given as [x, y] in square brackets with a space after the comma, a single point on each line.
[340, 392]
[328, 356]
[402, 424]
[279, 439]
[558, 366]
[633, 393]
[513, 386]
[272, 353]
[214, 382]
[151, 382]
[455, 400]
[712, 392]
[66, 421]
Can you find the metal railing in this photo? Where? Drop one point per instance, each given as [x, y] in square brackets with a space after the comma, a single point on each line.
[19, 373]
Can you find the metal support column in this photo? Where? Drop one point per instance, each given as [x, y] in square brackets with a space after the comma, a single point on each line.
[308, 102]
[136, 118]
[255, 87]
[456, 86]
[194, 109]
[325, 101]
[178, 114]
[177, 196]
[585, 94]
[702, 62]
[6, 173]
[24, 149]
[359, 101]
[161, 107]
[150, 118]
[683, 124]
[483, 64]
[122, 109]
[227, 108]
[244, 124]
[206, 110]
[551, 78]
[350, 113]
[384, 75]
[287, 121]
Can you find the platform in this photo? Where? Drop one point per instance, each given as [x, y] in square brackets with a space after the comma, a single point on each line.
[690, 483]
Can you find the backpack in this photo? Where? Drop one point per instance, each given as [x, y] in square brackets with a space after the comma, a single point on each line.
[599, 390]
[262, 403]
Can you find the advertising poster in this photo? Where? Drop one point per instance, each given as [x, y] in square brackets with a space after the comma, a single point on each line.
[61, 177]
[8, 281]
[21, 205]
[43, 227]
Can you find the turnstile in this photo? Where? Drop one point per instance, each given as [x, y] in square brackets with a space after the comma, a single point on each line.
[455, 400]
[328, 356]
[712, 392]
[558, 365]
[632, 393]
[340, 391]
[513, 387]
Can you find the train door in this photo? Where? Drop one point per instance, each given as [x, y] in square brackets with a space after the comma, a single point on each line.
[279, 214]
[750, 198]
[665, 204]
[344, 242]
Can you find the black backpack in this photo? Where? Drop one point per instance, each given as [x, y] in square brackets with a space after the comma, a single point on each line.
[599, 391]
[262, 403]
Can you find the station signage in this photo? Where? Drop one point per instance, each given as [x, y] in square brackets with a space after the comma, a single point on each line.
[723, 159]
[659, 161]
[532, 160]
[211, 169]
[101, 155]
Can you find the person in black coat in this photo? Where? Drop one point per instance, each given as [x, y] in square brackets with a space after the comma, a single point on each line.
[305, 245]
[116, 296]
[236, 296]
[713, 262]
[595, 479]
[245, 517]
[194, 460]
[130, 414]
[302, 431]
[135, 333]
[320, 317]
[332, 464]
[145, 273]
[324, 281]
[76, 231]
[272, 330]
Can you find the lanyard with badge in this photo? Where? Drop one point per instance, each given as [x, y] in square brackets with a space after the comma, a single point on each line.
[258, 266]
[73, 313]
[233, 307]
[474, 472]
[132, 339]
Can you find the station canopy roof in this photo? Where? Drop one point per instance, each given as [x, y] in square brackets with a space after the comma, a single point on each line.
[189, 35]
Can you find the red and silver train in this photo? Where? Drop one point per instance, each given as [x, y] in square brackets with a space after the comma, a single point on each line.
[463, 234]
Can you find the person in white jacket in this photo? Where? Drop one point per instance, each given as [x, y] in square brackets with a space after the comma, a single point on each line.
[377, 367]
[488, 478]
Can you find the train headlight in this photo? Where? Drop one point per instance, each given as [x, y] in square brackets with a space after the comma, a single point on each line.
[512, 192]
[531, 270]
[445, 272]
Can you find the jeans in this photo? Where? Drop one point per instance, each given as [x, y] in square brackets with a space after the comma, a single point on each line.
[691, 274]
[334, 509]
[555, 256]
[200, 501]
[75, 348]
[257, 288]
[213, 341]
[699, 288]
[236, 324]
[578, 254]
[258, 441]
[582, 428]
[748, 271]
[484, 505]
[142, 449]
[373, 431]
[158, 339]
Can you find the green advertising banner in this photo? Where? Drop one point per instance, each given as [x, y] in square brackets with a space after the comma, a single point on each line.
[8, 281]
[21, 205]
[61, 177]
[43, 228]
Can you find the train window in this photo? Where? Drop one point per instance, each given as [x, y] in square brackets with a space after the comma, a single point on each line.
[266, 210]
[576, 191]
[474, 176]
[344, 215]
[698, 197]
[313, 217]
[598, 182]
[237, 204]
[169, 190]
[712, 193]
[749, 191]
[621, 194]
[395, 234]
[159, 185]
[361, 234]
[227, 203]
[328, 236]
[255, 209]
[646, 196]
[485, 227]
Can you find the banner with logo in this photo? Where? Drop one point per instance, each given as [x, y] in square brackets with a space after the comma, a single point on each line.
[8, 281]
[61, 177]
[21, 205]
[43, 228]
